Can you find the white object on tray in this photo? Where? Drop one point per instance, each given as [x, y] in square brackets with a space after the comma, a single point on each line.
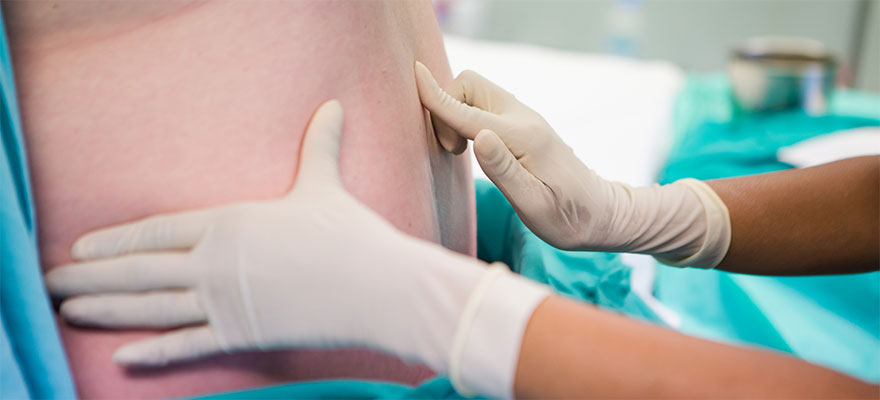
[832, 147]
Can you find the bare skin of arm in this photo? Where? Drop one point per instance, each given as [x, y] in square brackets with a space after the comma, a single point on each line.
[819, 220]
[573, 350]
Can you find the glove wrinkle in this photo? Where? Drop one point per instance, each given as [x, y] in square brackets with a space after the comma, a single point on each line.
[683, 223]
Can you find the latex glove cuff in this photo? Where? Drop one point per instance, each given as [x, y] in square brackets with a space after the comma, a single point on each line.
[487, 340]
[716, 240]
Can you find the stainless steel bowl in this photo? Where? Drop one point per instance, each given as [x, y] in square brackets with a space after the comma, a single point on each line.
[775, 73]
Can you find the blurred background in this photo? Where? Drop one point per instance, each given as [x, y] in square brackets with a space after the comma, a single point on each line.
[651, 91]
[697, 35]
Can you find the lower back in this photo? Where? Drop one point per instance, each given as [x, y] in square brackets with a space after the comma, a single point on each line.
[173, 109]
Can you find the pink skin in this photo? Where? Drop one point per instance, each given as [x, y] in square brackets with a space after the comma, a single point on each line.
[131, 111]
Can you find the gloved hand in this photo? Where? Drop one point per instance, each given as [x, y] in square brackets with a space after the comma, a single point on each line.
[564, 202]
[315, 269]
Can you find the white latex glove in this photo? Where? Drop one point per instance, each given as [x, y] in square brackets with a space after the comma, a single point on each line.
[564, 202]
[314, 269]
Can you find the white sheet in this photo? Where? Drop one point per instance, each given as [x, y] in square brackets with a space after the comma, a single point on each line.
[616, 113]
[832, 147]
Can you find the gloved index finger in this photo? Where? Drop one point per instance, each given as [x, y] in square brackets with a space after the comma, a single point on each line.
[162, 232]
[466, 119]
[133, 273]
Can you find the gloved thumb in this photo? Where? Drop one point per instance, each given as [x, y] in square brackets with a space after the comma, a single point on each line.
[502, 167]
[319, 156]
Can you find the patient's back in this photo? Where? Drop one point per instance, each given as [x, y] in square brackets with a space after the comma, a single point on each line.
[137, 108]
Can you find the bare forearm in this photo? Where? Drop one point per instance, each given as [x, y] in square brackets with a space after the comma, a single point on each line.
[820, 220]
[573, 350]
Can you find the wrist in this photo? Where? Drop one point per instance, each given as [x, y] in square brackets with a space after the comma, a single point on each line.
[433, 286]
[682, 224]
[715, 228]
[489, 334]
[459, 316]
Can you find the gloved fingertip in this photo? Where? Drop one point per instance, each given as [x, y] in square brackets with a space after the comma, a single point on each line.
[335, 106]
[73, 311]
[428, 88]
[328, 116]
[418, 66]
[130, 356]
[486, 145]
[81, 249]
[422, 72]
[54, 283]
[319, 155]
